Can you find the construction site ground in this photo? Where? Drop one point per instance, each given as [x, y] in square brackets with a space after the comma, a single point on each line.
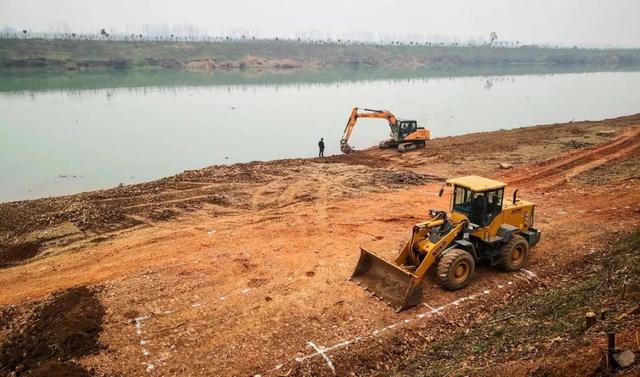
[243, 270]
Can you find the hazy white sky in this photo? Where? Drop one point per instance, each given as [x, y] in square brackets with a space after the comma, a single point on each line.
[583, 22]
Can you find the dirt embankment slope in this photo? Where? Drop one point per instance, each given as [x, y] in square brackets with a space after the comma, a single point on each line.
[242, 269]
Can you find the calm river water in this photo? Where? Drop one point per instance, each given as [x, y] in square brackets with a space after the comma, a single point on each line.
[62, 134]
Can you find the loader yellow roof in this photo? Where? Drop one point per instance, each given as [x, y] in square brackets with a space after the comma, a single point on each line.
[476, 183]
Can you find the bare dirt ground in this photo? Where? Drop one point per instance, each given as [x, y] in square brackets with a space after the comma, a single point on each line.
[242, 270]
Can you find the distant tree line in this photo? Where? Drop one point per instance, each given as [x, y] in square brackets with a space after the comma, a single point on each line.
[194, 35]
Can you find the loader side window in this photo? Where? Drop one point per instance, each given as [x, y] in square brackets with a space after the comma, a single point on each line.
[478, 209]
[494, 205]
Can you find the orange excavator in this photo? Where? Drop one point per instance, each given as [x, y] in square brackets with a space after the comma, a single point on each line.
[405, 134]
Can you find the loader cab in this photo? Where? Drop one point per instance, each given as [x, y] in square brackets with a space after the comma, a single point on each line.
[477, 199]
[406, 128]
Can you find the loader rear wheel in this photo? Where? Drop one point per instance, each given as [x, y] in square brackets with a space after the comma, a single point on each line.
[514, 253]
[455, 269]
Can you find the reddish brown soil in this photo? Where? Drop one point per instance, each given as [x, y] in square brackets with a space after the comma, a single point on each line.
[241, 270]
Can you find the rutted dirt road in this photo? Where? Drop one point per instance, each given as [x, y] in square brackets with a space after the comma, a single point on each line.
[242, 270]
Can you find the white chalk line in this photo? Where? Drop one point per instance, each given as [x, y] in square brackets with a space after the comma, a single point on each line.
[138, 321]
[323, 351]
[143, 342]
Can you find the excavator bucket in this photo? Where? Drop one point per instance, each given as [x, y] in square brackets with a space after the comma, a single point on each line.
[388, 282]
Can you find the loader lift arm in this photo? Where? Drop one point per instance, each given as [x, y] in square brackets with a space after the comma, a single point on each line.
[366, 113]
[400, 283]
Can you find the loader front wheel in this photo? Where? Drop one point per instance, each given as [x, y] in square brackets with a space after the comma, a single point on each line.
[514, 253]
[455, 269]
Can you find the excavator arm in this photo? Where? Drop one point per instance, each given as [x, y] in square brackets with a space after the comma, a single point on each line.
[366, 113]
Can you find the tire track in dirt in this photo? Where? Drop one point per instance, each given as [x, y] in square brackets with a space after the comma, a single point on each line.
[560, 169]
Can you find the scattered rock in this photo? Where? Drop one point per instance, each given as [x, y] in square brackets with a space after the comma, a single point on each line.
[625, 358]
[607, 133]
[505, 165]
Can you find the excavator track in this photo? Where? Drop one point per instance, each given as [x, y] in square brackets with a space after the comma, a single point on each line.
[405, 147]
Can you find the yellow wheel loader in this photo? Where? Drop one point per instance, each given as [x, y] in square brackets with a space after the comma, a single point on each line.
[480, 227]
[405, 134]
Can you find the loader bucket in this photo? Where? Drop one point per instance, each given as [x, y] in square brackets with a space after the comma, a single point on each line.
[386, 281]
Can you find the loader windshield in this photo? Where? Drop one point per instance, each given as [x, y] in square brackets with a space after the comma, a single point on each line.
[471, 203]
[479, 207]
[462, 199]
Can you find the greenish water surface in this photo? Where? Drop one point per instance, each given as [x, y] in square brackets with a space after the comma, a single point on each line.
[63, 133]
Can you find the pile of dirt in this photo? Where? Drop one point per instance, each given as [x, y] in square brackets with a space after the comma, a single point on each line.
[575, 144]
[46, 338]
[13, 254]
[393, 177]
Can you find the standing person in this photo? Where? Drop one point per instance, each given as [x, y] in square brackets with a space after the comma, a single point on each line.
[321, 147]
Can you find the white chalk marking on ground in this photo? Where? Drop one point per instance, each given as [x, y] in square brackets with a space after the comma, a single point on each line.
[143, 342]
[433, 310]
[138, 322]
[529, 273]
[525, 279]
[322, 351]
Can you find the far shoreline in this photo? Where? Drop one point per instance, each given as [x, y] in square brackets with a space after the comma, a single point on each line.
[209, 56]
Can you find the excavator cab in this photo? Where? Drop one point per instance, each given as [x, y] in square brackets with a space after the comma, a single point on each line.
[405, 128]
